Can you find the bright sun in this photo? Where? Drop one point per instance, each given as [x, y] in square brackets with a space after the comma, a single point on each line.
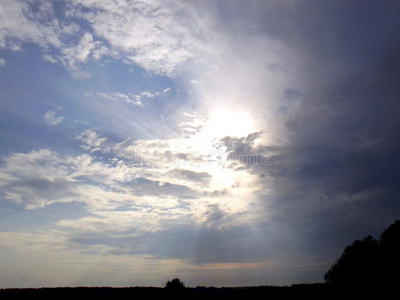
[227, 122]
[221, 123]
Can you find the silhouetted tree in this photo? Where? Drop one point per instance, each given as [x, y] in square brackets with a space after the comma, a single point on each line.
[390, 238]
[369, 262]
[357, 264]
[390, 254]
[175, 284]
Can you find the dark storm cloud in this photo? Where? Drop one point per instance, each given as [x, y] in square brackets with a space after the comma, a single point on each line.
[338, 175]
[244, 154]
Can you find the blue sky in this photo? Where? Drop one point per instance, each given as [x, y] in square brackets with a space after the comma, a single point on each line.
[223, 142]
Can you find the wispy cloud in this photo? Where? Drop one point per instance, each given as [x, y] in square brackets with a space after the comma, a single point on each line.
[149, 34]
[135, 99]
[73, 56]
[154, 36]
[49, 58]
[25, 22]
[51, 118]
[20, 23]
[91, 141]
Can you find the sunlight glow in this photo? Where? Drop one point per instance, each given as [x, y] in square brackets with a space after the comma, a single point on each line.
[228, 122]
[218, 124]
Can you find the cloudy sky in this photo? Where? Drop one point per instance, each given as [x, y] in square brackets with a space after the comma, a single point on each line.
[223, 142]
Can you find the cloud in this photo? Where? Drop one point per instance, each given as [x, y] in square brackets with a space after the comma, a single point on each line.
[135, 99]
[51, 119]
[36, 22]
[201, 177]
[158, 36]
[49, 58]
[80, 52]
[36, 179]
[2, 62]
[74, 55]
[21, 24]
[335, 152]
[167, 90]
[42, 177]
[140, 178]
[91, 141]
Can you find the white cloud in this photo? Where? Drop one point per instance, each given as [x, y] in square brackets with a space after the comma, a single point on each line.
[135, 99]
[32, 22]
[15, 47]
[35, 179]
[80, 74]
[155, 174]
[146, 94]
[43, 177]
[51, 119]
[99, 52]
[74, 55]
[82, 122]
[49, 58]
[91, 141]
[159, 36]
[36, 22]
[18, 21]
[2, 62]
[120, 96]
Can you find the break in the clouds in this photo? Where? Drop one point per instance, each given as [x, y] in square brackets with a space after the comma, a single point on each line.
[227, 143]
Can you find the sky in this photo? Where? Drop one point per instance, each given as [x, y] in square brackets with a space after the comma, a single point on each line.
[227, 143]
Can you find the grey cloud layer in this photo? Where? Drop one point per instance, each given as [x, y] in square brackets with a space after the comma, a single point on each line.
[340, 161]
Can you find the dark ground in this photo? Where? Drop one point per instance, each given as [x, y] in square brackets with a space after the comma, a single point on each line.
[197, 292]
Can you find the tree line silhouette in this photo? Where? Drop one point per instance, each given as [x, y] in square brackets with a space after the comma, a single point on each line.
[369, 262]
